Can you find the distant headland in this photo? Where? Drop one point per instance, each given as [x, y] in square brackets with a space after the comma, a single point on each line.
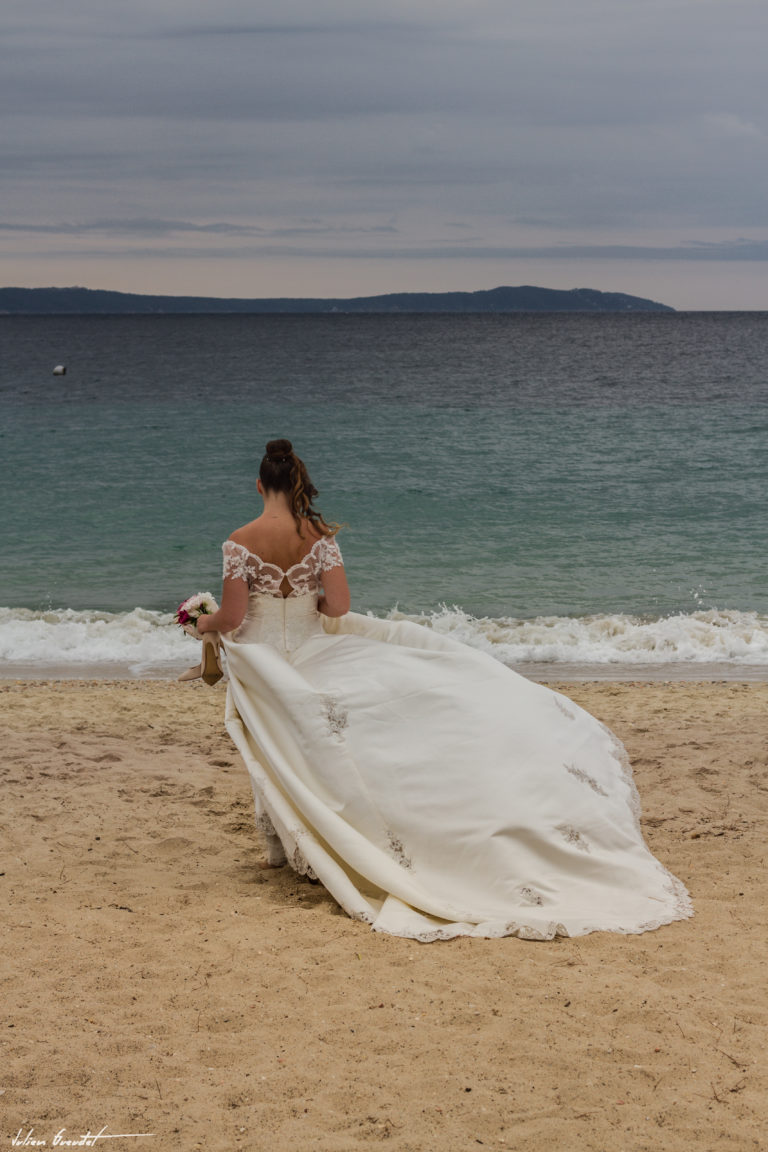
[95, 302]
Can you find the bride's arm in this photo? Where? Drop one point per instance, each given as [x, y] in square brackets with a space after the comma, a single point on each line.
[234, 604]
[335, 599]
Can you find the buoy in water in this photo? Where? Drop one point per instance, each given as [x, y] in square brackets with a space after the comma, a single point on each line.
[60, 370]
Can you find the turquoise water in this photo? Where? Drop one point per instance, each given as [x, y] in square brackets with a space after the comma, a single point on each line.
[511, 468]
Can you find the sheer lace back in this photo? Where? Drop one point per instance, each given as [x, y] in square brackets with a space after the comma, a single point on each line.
[304, 578]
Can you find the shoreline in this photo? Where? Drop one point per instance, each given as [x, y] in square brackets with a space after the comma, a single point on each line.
[140, 645]
[158, 981]
[546, 673]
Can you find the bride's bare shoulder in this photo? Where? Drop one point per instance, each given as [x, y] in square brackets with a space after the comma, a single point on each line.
[244, 534]
[277, 542]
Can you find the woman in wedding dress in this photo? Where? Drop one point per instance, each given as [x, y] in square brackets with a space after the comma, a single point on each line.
[433, 791]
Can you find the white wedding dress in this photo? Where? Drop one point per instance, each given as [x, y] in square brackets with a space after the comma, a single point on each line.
[433, 791]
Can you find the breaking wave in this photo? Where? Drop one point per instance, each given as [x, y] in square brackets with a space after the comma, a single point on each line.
[143, 643]
[712, 636]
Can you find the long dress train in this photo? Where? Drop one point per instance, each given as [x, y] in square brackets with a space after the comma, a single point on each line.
[433, 791]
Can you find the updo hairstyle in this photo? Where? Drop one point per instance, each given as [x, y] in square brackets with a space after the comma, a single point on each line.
[283, 471]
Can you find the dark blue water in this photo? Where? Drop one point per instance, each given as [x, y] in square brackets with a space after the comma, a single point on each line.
[510, 465]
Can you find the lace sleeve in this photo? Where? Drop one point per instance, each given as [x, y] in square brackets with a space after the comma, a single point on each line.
[235, 561]
[330, 554]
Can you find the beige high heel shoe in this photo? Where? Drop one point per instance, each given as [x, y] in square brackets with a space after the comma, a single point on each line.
[209, 669]
[210, 665]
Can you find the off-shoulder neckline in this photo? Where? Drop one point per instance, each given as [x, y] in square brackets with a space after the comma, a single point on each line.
[268, 564]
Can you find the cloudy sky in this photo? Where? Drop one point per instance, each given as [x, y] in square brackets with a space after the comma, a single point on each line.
[349, 147]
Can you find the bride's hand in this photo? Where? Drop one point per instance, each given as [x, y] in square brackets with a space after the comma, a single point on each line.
[191, 630]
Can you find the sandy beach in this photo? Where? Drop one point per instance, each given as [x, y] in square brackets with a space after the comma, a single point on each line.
[157, 983]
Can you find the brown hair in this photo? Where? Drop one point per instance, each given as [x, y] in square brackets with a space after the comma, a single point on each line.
[283, 471]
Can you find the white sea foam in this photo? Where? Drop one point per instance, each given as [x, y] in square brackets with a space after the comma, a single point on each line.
[65, 642]
[145, 643]
[703, 637]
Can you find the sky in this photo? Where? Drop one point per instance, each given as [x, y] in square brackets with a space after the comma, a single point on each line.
[345, 147]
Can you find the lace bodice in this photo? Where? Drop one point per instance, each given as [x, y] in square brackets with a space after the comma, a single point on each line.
[305, 577]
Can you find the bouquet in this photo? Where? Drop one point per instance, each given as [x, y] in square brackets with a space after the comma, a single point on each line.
[201, 604]
[187, 615]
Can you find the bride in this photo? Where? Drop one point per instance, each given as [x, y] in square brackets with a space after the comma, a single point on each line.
[432, 790]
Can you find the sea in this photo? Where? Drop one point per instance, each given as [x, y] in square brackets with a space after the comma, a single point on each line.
[580, 495]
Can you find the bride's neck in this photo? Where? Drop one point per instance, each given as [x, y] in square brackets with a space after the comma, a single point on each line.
[276, 506]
